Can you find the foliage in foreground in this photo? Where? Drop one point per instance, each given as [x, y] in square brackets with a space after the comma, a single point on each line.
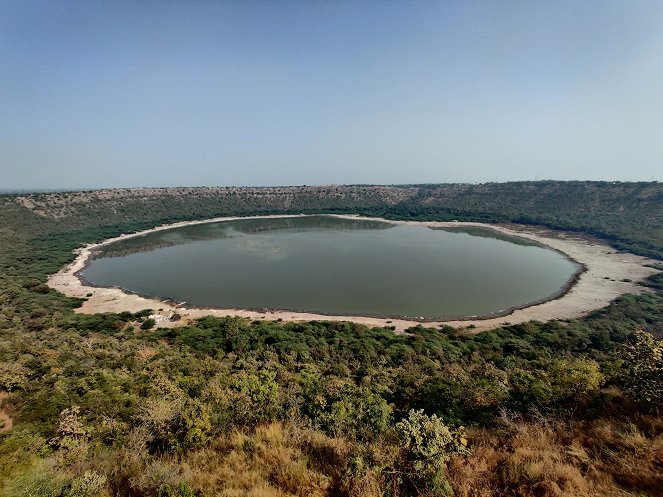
[231, 407]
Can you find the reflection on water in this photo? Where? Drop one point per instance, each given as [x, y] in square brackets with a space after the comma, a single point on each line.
[226, 229]
[488, 233]
[336, 266]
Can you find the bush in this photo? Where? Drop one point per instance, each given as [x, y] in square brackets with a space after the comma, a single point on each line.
[356, 412]
[427, 440]
[175, 424]
[89, 484]
[181, 490]
[157, 477]
[148, 324]
[428, 445]
[12, 376]
[642, 366]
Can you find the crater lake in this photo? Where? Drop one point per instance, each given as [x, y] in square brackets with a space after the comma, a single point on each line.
[336, 266]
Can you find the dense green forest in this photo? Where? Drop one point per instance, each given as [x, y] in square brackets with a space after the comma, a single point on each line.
[106, 405]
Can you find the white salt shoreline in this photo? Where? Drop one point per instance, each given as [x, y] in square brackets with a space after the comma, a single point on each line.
[601, 282]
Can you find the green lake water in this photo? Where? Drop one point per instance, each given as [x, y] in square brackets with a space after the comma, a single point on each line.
[335, 266]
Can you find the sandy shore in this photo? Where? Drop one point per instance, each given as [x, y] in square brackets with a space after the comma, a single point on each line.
[602, 281]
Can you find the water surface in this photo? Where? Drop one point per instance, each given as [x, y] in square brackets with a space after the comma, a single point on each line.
[335, 266]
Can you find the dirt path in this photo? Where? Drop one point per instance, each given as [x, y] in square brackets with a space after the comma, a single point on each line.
[608, 274]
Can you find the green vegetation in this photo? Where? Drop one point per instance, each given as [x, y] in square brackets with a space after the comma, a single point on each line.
[629, 215]
[101, 405]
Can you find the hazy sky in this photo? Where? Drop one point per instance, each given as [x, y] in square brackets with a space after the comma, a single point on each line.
[195, 92]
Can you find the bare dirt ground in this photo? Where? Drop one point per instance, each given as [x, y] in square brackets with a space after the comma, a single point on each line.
[608, 274]
[6, 421]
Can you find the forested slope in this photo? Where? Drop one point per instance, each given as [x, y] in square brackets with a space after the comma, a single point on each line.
[629, 215]
[101, 405]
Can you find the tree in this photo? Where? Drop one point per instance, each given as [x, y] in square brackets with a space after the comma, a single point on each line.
[428, 441]
[148, 324]
[642, 367]
[355, 412]
[574, 380]
[12, 376]
[255, 397]
[429, 444]
[71, 440]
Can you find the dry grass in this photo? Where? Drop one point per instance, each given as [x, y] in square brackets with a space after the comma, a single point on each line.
[278, 460]
[274, 460]
[537, 459]
[541, 458]
[267, 463]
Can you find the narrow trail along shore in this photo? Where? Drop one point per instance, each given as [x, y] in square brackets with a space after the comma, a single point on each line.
[607, 274]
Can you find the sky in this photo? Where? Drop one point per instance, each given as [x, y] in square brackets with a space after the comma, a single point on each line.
[135, 93]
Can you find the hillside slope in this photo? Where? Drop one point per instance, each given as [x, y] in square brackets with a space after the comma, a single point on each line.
[629, 215]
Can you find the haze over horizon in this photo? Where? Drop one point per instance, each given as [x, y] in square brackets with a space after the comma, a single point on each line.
[127, 94]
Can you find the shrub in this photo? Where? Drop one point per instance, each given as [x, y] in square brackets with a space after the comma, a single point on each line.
[142, 314]
[256, 397]
[574, 379]
[175, 423]
[157, 475]
[642, 360]
[12, 376]
[181, 490]
[89, 484]
[148, 324]
[428, 445]
[72, 437]
[428, 441]
[356, 412]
